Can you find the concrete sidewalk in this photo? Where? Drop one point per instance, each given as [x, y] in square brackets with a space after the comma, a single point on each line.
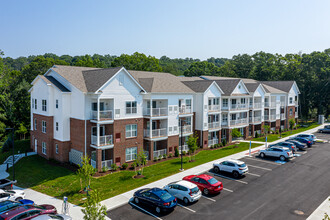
[3, 167]
[124, 198]
[319, 213]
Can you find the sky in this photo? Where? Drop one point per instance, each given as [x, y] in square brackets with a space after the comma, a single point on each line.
[174, 28]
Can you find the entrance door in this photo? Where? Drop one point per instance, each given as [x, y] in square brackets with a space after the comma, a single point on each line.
[35, 145]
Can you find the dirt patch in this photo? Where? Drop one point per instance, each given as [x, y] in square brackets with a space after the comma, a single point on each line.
[138, 177]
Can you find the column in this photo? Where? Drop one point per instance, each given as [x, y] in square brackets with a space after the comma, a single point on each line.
[99, 159]
[98, 108]
[98, 134]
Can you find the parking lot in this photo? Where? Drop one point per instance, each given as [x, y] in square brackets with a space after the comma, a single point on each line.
[271, 190]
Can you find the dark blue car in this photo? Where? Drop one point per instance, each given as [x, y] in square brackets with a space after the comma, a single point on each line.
[8, 205]
[303, 140]
[299, 145]
[156, 198]
[307, 136]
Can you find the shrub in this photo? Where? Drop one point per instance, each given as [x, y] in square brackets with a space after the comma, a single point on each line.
[176, 152]
[104, 169]
[183, 153]
[155, 158]
[220, 145]
[256, 134]
[276, 131]
[170, 155]
[114, 167]
[164, 156]
[224, 142]
[124, 166]
[133, 165]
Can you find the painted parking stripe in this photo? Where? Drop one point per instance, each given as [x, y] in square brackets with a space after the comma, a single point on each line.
[262, 161]
[252, 174]
[215, 174]
[263, 168]
[186, 208]
[155, 216]
[229, 190]
[213, 200]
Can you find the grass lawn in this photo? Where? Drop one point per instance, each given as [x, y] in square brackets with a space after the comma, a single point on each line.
[36, 173]
[20, 145]
[274, 137]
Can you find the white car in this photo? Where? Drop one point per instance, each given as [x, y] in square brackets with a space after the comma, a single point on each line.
[52, 216]
[184, 190]
[236, 167]
[283, 153]
[13, 195]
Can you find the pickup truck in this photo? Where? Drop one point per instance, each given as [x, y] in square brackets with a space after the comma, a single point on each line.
[6, 184]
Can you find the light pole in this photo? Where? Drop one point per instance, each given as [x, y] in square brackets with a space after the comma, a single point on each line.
[12, 129]
[281, 121]
[180, 142]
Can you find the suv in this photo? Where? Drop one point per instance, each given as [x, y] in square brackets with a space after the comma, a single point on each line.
[184, 190]
[308, 136]
[236, 167]
[289, 145]
[282, 153]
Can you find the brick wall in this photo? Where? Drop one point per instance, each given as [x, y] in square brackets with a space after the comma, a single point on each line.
[172, 143]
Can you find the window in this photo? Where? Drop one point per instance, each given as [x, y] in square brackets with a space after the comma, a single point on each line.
[44, 105]
[291, 112]
[225, 103]
[56, 103]
[242, 100]
[131, 153]
[44, 148]
[296, 98]
[131, 131]
[44, 125]
[188, 102]
[291, 100]
[56, 148]
[35, 124]
[131, 108]
[35, 103]
[56, 126]
[32, 103]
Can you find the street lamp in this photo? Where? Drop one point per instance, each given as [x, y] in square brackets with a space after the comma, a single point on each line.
[281, 121]
[12, 129]
[181, 140]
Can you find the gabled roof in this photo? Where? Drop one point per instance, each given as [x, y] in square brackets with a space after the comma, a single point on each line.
[252, 87]
[227, 85]
[270, 89]
[96, 78]
[281, 85]
[198, 86]
[49, 80]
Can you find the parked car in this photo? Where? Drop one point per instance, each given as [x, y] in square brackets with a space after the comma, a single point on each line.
[13, 195]
[157, 198]
[7, 205]
[184, 190]
[281, 152]
[236, 167]
[6, 184]
[289, 145]
[52, 216]
[303, 140]
[308, 136]
[27, 212]
[298, 144]
[326, 129]
[206, 183]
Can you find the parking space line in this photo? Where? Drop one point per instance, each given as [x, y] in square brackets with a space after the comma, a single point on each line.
[186, 208]
[228, 178]
[213, 200]
[252, 174]
[155, 216]
[263, 168]
[229, 190]
[263, 161]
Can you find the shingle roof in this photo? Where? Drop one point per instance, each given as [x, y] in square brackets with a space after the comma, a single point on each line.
[227, 85]
[53, 81]
[281, 85]
[94, 79]
[199, 86]
[146, 83]
[252, 87]
[270, 89]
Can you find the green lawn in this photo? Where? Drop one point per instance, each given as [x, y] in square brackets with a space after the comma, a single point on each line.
[36, 173]
[274, 137]
[20, 145]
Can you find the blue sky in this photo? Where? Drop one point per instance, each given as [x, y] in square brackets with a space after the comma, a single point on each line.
[178, 28]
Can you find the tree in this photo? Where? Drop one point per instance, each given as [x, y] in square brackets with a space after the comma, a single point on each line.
[85, 173]
[266, 129]
[235, 133]
[22, 131]
[94, 210]
[140, 161]
[292, 122]
[202, 68]
[192, 144]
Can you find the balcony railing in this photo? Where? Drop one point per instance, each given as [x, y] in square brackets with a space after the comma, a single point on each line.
[104, 115]
[295, 102]
[278, 116]
[103, 140]
[155, 112]
[224, 122]
[155, 133]
[266, 117]
[282, 103]
[158, 153]
[184, 148]
[250, 105]
[224, 106]
[296, 114]
[106, 163]
[186, 129]
[185, 110]
[214, 125]
[238, 106]
[213, 142]
[257, 105]
[257, 119]
[273, 104]
[266, 104]
[214, 108]
[238, 121]
[282, 116]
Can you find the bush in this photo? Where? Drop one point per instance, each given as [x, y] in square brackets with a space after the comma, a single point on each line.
[164, 156]
[176, 152]
[256, 134]
[104, 169]
[114, 167]
[276, 131]
[133, 165]
[183, 153]
[170, 155]
[124, 166]
[224, 142]
[220, 145]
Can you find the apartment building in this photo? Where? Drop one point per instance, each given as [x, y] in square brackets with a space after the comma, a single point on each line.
[112, 114]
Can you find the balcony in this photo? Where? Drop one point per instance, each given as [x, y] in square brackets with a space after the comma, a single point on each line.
[224, 123]
[106, 163]
[282, 103]
[242, 121]
[257, 105]
[184, 148]
[256, 119]
[158, 153]
[213, 125]
[270, 104]
[270, 117]
[296, 114]
[186, 129]
[295, 102]
[185, 110]
[213, 141]
[155, 112]
[214, 108]
[266, 104]
[155, 133]
[104, 115]
[103, 140]
[238, 106]
[282, 116]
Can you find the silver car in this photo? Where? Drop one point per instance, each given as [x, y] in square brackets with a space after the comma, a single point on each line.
[283, 153]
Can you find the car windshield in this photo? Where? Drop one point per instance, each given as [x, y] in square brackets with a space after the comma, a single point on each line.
[241, 165]
[194, 190]
[39, 207]
[212, 181]
[165, 196]
[9, 206]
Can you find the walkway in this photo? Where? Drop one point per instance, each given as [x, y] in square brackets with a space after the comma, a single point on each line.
[9, 161]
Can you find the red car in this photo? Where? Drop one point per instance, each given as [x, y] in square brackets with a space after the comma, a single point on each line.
[26, 212]
[206, 183]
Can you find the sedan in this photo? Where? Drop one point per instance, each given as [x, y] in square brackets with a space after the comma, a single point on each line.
[156, 198]
[308, 136]
[303, 140]
[184, 190]
[7, 205]
[27, 212]
[326, 129]
[206, 183]
[13, 195]
[282, 153]
[299, 145]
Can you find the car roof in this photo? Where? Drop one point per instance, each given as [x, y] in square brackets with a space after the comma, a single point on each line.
[2, 191]
[17, 210]
[186, 184]
[205, 176]
[234, 161]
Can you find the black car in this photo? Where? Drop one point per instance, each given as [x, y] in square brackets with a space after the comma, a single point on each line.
[299, 145]
[303, 140]
[156, 198]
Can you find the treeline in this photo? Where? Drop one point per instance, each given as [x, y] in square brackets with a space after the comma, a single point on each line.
[311, 71]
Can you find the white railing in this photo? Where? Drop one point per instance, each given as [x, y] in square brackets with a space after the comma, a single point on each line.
[273, 104]
[296, 114]
[239, 121]
[107, 163]
[224, 106]
[282, 116]
[158, 153]
[214, 107]
[266, 117]
[250, 119]
[106, 114]
[295, 102]
[282, 103]
[266, 104]
[155, 112]
[104, 140]
[214, 125]
[272, 117]
[131, 110]
[155, 133]
[186, 129]
[257, 119]
[213, 142]
[238, 106]
[251, 105]
[224, 122]
[93, 163]
[278, 116]
[257, 105]
[185, 110]
[184, 148]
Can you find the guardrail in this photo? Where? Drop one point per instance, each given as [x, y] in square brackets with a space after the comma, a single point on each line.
[106, 114]
[155, 133]
[103, 140]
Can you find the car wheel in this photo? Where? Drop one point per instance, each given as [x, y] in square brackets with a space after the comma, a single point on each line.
[185, 200]
[19, 198]
[136, 200]
[216, 169]
[235, 174]
[262, 155]
[157, 209]
[206, 191]
[282, 158]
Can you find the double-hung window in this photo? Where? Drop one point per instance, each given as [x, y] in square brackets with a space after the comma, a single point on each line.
[35, 124]
[44, 148]
[131, 153]
[56, 126]
[225, 103]
[44, 105]
[35, 103]
[291, 100]
[56, 148]
[44, 126]
[32, 103]
[131, 107]
[56, 103]
[131, 130]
